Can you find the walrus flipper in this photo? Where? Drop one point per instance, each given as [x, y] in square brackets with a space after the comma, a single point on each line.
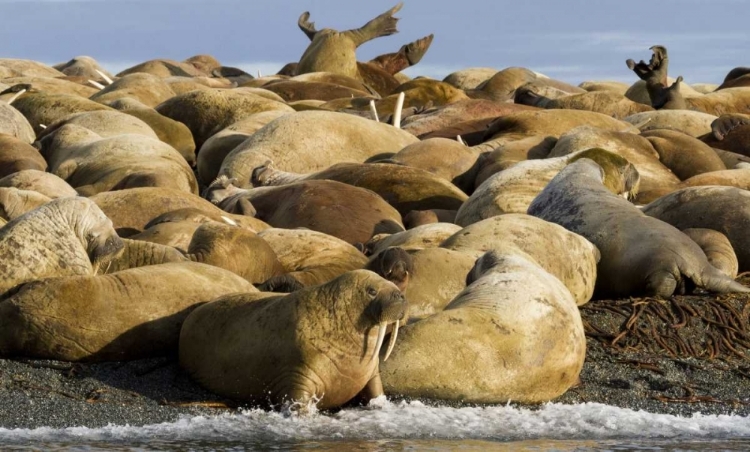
[407, 56]
[721, 126]
[306, 26]
[383, 25]
[715, 281]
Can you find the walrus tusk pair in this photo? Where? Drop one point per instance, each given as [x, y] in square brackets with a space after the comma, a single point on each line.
[381, 337]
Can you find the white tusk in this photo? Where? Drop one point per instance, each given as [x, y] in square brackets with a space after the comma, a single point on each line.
[16, 96]
[96, 84]
[259, 74]
[460, 140]
[374, 111]
[229, 220]
[42, 126]
[104, 76]
[381, 337]
[392, 341]
[625, 195]
[397, 113]
[642, 123]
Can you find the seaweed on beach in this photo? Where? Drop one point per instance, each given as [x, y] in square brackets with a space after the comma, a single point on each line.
[680, 327]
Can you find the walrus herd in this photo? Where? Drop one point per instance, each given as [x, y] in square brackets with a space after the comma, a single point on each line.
[339, 231]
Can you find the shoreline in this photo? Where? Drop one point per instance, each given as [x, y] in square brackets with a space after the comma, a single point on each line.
[43, 393]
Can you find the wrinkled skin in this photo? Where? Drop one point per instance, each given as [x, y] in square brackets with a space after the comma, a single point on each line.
[132, 314]
[317, 345]
[67, 236]
[640, 255]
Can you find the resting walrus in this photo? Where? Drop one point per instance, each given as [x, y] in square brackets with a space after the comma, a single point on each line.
[319, 344]
[66, 236]
[639, 254]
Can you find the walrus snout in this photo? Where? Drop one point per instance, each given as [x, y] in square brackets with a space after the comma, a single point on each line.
[393, 264]
[389, 306]
[107, 249]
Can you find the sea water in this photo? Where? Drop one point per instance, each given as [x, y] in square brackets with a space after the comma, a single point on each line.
[407, 426]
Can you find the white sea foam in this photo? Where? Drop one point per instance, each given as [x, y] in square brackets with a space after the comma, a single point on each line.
[412, 420]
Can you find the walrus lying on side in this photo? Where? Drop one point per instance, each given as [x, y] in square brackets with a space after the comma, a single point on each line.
[640, 255]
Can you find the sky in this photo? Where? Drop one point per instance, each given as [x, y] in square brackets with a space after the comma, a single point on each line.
[571, 40]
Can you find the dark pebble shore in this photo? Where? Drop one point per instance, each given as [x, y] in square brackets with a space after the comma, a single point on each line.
[635, 374]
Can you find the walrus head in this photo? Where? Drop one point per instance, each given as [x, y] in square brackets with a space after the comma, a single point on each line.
[221, 188]
[92, 227]
[656, 69]
[377, 304]
[620, 176]
[393, 264]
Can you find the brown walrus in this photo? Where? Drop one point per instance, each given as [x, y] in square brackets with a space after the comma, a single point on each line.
[318, 345]
[66, 236]
[639, 254]
[131, 314]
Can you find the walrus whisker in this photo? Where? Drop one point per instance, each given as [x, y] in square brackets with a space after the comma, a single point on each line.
[104, 76]
[381, 338]
[392, 341]
[374, 111]
[12, 99]
[96, 84]
[399, 108]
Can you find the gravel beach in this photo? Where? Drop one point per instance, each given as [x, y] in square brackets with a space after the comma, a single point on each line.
[636, 374]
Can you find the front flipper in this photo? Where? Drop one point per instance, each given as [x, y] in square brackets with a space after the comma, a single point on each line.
[282, 283]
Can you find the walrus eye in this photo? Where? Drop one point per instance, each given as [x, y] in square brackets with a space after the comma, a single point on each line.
[372, 292]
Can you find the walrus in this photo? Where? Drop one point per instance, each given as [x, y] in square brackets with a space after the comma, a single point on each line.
[337, 137]
[43, 108]
[640, 255]
[609, 103]
[318, 345]
[684, 155]
[334, 51]
[718, 249]
[174, 133]
[39, 181]
[235, 249]
[508, 154]
[566, 255]
[220, 144]
[206, 112]
[83, 66]
[17, 155]
[133, 209]
[145, 88]
[514, 333]
[66, 236]
[15, 124]
[321, 205]
[424, 236]
[513, 190]
[403, 187]
[422, 217]
[393, 264]
[309, 258]
[131, 314]
[723, 209]
[89, 163]
[15, 202]
[138, 253]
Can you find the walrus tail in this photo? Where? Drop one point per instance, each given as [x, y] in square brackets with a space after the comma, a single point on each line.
[715, 281]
